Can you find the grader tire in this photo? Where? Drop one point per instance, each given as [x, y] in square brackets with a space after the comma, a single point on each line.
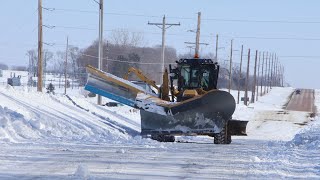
[223, 137]
[163, 138]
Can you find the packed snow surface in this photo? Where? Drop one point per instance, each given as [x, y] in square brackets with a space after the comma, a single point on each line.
[49, 136]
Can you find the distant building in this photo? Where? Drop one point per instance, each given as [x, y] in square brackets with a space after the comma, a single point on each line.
[14, 80]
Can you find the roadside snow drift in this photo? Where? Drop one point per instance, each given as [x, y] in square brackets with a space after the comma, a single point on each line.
[30, 116]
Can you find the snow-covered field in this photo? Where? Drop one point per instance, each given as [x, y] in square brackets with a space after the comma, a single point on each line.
[57, 80]
[44, 136]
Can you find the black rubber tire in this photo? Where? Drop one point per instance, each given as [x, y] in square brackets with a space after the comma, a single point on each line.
[169, 138]
[163, 138]
[223, 137]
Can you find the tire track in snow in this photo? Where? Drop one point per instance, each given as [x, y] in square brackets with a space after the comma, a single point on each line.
[245, 159]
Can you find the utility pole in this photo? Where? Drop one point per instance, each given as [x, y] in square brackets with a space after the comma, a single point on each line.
[100, 43]
[266, 75]
[163, 26]
[247, 80]
[253, 93]
[197, 43]
[283, 76]
[240, 76]
[276, 74]
[230, 68]
[39, 84]
[271, 71]
[258, 76]
[65, 67]
[198, 36]
[217, 44]
[29, 69]
[280, 75]
[274, 71]
[262, 77]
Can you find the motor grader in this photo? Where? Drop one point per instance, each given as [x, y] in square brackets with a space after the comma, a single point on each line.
[188, 102]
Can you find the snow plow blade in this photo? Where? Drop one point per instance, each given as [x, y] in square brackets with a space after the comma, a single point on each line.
[202, 115]
[205, 114]
[112, 87]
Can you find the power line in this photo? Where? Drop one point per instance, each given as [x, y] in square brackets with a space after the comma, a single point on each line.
[276, 38]
[263, 21]
[179, 34]
[75, 10]
[109, 30]
[75, 27]
[190, 18]
[95, 12]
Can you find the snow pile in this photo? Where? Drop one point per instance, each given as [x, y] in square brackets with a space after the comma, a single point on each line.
[308, 137]
[14, 127]
[30, 116]
[306, 140]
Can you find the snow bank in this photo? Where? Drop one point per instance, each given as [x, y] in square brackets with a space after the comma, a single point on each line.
[308, 137]
[30, 116]
[14, 127]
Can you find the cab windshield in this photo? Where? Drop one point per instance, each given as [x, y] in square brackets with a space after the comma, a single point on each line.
[195, 78]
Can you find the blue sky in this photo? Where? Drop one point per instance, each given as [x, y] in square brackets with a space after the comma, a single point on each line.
[19, 28]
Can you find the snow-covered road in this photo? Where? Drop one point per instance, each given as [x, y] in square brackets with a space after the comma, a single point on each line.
[253, 159]
[48, 137]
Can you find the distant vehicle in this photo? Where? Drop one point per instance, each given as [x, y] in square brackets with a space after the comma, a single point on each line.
[298, 91]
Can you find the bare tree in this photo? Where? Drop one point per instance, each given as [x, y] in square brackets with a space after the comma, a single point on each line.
[48, 56]
[59, 62]
[124, 38]
[33, 61]
[74, 53]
